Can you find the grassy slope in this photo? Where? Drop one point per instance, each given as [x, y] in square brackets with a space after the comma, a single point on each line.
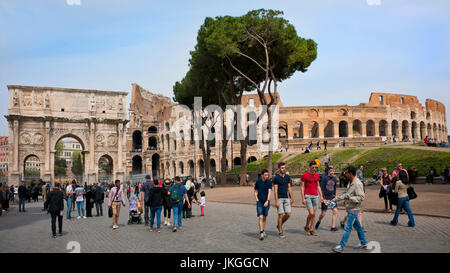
[257, 165]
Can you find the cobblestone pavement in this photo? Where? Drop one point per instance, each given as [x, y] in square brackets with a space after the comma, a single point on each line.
[226, 228]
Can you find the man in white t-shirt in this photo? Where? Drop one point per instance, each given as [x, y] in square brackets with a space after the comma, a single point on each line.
[70, 191]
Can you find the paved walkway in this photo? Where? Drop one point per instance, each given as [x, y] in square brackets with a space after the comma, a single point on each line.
[226, 228]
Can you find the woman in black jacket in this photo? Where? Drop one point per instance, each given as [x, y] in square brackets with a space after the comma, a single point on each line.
[55, 201]
[156, 200]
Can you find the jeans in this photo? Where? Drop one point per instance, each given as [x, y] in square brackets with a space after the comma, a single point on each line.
[403, 203]
[353, 221]
[146, 216]
[156, 210]
[22, 203]
[56, 214]
[177, 214]
[69, 207]
[99, 207]
[80, 204]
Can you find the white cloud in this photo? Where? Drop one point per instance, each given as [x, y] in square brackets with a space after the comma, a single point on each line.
[373, 2]
[73, 2]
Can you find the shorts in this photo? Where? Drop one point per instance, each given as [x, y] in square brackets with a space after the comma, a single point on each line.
[325, 207]
[312, 202]
[261, 210]
[285, 205]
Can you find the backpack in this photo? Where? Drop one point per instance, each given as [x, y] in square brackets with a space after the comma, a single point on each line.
[175, 194]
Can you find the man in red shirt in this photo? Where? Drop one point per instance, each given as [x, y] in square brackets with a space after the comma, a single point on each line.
[311, 192]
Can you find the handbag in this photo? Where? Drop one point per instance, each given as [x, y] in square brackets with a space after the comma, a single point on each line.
[382, 192]
[110, 211]
[411, 193]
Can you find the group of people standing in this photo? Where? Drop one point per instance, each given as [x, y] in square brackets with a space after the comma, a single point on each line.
[317, 190]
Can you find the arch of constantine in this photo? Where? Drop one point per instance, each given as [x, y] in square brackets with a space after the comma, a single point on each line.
[38, 117]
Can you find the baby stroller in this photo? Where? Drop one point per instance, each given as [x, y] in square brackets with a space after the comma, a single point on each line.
[135, 211]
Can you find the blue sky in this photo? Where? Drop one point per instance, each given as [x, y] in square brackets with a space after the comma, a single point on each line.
[394, 46]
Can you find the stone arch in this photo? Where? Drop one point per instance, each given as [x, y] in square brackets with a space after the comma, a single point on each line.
[414, 134]
[328, 131]
[423, 130]
[174, 168]
[152, 143]
[212, 168]
[383, 127]
[136, 163]
[394, 128]
[314, 130]
[155, 166]
[283, 129]
[429, 130]
[343, 128]
[405, 130]
[251, 159]
[237, 161]
[357, 128]
[201, 168]
[24, 164]
[370, 128]
[413, 115]
[105, 175]
[168, 142]
[298, 129]
[181, 166]
[343, 112]
[152, 130]
[137, 140]
[191, 168]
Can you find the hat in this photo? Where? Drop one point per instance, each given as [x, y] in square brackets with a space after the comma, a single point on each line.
[147, 176]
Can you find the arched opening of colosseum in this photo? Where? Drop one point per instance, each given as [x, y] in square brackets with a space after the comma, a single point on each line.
[383, 127]
[429, 130]
[212, 137]
[413, 115]
[343, 112]
[174, 144]
[237, 161]
[182, 138]
[31, 168]
[435, 135]
[201, 168]
[191, 168]
[137, 140]
[298, 129]
[155, 166]
[414, 130]
[152, 130]
[329, 129]
[105, 169]
[167, 171]
[405, 129]
[152, 143]
[428, 115]
[394, 128]
[167, 127]
[136, 164]
[370, 128]
[357, 128]
[212, 168]
[251, 159]
[343, 129]
[163, 170]
[283, 130]
[315, 130]
[174, 167]
[168, 142]
[181, 165]
[423, 130]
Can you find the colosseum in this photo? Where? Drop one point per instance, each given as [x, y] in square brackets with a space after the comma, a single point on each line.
[384, 118]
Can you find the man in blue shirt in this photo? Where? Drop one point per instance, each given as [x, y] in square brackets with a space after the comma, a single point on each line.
[283, 196]
[328, 185]
[263, 189]
[178, 208]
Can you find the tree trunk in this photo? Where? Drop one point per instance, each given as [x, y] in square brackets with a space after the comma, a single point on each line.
[223, 160]
[269, 130]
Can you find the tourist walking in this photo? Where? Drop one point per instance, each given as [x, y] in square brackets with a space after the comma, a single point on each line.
[128, 190]
[386, 190]
[311, 192]
[328, 186]
[187, 211]
[145, 193]
[282, 186]
[156, 200]
[326, 160]
[325, 143]
[202, 203]
[167, 204]
[177, 194]
[403, 199]
[116, 199]
[22, 191]
[98, 199]
[79, 198]
[318, 145]
[55, 201]
[353, 201]
[263, 190]
[89, 201]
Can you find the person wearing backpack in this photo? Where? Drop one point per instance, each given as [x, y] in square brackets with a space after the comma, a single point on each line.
[177, 194]
[167, 204]
[156, 200]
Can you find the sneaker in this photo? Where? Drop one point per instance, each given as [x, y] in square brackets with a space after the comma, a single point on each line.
[115, 226]
[392, 223]
[317, 225]
[174, 229]
[333, 229]
[168, 224]
[282, 236]
[342, 224]
[165, 223]
[307, 231]
[338, 249]
[84, 217]
[54, 236]
[261, 236]
[151, 229]
[158, 230]
[313, 233]
[79, 217]
[59, 234]
[360, 246]
[265, 235]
